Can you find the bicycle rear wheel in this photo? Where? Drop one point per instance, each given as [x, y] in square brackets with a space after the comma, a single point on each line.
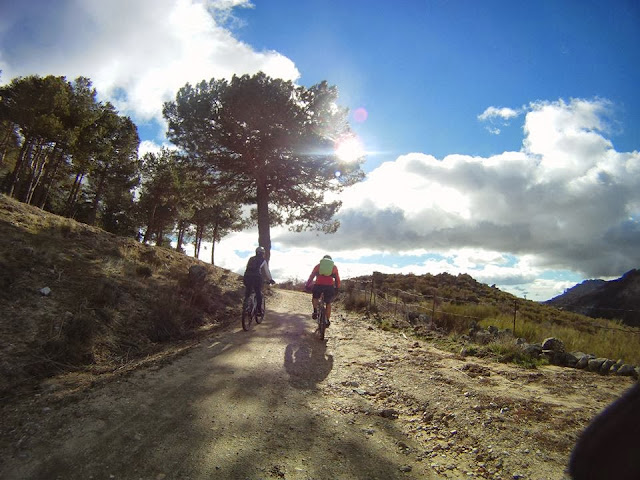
[322, 322]
[259, 318]
[247, 313]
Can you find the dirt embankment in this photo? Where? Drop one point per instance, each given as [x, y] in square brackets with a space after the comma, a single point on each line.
[275, 402]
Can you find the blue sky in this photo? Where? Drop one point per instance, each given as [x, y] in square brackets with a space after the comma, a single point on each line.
[502, 137]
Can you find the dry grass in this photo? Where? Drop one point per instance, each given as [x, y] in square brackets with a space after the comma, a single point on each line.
[471, 302]
[112, 300]
[603, 338]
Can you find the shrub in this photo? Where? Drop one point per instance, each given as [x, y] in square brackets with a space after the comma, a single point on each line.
[105, 294]
[73, 345]
[171, 318]
[144, 271]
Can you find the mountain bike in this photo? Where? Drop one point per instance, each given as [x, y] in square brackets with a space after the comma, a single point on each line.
[250, 311]
[322, 317]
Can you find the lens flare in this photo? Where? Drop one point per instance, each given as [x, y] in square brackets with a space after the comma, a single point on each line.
[349, 149]
[360, 115]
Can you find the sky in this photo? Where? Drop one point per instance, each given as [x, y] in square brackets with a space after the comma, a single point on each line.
[502, 137]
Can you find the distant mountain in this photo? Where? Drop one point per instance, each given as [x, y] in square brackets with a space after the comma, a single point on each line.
[618, 299]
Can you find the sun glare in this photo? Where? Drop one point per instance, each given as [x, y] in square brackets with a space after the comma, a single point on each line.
[349, 149]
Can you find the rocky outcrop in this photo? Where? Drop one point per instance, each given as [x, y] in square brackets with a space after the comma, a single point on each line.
[554, 350]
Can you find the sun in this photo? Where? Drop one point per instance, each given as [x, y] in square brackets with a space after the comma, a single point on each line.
[349, 149]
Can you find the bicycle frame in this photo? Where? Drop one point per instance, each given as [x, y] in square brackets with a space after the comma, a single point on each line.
[250, 311]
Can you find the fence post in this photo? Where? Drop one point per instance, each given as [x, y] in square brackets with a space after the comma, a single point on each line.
[395, 310]
[371, 293]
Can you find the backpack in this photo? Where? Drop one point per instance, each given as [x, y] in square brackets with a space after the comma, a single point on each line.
[253, 265]
[326, 267]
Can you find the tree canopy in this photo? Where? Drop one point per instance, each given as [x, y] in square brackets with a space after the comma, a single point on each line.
[269, 143]
[63, 150]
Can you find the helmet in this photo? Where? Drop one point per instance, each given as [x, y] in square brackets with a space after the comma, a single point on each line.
[328, 256]
[260, 251]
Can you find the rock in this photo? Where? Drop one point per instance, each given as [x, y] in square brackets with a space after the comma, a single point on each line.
[532, 349]
[45, 292]
[406, 468]
[555, 357]
[595, 364]
[606, 366]
[625, 370]
[570, 360]
[616, 366]
[553, 344]
[584, 361]
[389, 413]
[483, 337]
[350, 383]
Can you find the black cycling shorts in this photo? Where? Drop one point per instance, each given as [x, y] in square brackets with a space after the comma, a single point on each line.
[328, 291]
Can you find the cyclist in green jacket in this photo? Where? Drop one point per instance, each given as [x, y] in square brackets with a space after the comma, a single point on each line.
[326, 275]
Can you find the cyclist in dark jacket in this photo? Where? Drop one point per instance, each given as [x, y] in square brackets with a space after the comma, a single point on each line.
[256, 266]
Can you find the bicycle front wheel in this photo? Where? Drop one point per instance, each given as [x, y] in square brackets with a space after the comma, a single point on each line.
[259, 318]
[246, 314]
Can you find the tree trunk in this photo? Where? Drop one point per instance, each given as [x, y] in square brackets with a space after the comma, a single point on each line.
[14, 177]
[40, 161]
[93, 216]
[73, 194]
[181, 229]
[197, 240]
[150, 225]
[213, 240]
[49, 178]
[264, 232]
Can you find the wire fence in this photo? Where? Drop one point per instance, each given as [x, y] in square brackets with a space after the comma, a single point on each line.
[397, 302]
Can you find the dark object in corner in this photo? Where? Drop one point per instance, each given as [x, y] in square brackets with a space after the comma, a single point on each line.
[610, 445]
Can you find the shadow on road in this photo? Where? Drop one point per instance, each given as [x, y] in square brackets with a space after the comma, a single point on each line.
[307, 362]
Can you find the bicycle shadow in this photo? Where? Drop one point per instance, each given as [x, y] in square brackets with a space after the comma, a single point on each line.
[307, 362]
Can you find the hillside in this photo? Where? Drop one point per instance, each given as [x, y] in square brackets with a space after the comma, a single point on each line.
[195, 396]
[74, 298]
[77, 300]
[615, 299]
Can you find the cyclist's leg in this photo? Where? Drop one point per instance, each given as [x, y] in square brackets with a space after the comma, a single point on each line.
[258, 288]
[247, 288]
[328, 299]
[315, 296]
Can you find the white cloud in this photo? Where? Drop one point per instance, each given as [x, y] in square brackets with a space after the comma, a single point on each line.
[495, 112]
[148, 146]
[567, 200]
[138, 54]
[497, 116]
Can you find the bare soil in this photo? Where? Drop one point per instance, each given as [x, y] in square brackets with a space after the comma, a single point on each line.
[276, 402]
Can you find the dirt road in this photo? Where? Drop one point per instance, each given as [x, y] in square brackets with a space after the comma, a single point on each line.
[276, 402]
